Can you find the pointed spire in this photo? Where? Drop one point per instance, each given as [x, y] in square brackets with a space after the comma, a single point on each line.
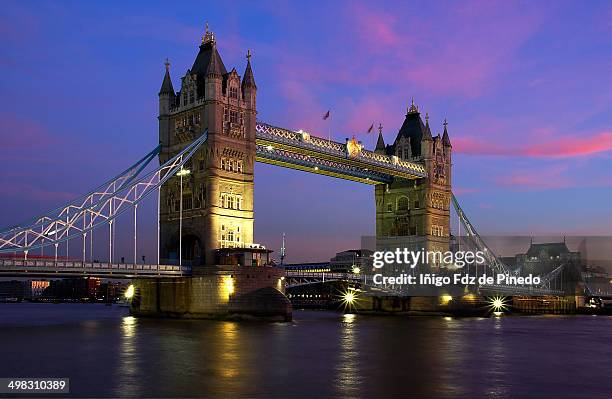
[166, 87]
[215, 66]
[427, 131]
[208, 36]
[249, 79]
[413, 109]
[445, 139]
[380, 143]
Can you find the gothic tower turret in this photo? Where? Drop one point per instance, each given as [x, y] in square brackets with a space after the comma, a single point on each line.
[416, 214]
[380, 143]
[167, 97]
[217, 201]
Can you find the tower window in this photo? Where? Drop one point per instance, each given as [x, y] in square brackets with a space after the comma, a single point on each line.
[233, 92]
[239, 166]
[187, 202]
[231, 201]
[437, 231]
[191, 97]
[233, 116]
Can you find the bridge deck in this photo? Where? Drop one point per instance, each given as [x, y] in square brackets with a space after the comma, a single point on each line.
[300, 150]
[63, 269]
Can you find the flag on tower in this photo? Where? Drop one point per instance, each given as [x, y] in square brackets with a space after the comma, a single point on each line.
[326, 115]
[371, 128]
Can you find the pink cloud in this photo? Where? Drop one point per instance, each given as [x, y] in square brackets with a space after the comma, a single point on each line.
[22, 134]
[465, 190]
[376, 28]
[573, 146]
[461, 59]
[554, 147]
[390, 62]
[536, 178]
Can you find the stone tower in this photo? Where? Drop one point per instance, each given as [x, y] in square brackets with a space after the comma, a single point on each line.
[217, 186]
[416, 214]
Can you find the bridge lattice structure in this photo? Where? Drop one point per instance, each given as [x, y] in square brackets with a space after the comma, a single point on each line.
[99, 209]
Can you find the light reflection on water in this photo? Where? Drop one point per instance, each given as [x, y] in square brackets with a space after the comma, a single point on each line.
[128, 359]
[347, 370]
[230, 350]
[320, 354]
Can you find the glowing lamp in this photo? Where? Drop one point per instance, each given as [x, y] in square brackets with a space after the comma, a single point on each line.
[129, 292]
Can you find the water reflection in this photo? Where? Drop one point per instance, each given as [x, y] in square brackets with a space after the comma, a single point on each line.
[496, 369]
[128, 370]
[321, 355]
[347, 373]
[229, 355]
[450, 351]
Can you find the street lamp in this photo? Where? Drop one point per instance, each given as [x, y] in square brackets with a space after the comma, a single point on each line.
[129, 292]
[181, 173]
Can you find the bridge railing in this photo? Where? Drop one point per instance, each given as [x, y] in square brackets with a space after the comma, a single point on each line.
[304, 140]
[328, 275]
[72, 267]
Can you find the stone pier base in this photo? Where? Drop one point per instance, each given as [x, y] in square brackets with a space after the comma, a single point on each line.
[240, 292]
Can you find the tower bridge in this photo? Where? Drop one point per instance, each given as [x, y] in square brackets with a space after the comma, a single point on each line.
[210, 139]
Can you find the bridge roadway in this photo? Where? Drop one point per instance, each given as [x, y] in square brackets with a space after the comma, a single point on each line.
[70, 268]
[350, 161]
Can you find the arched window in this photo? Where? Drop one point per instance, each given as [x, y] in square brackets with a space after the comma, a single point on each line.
[402, 204]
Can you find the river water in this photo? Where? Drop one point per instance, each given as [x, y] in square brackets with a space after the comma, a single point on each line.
[107, 353]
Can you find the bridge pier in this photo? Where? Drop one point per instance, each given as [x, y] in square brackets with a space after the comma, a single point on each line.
[240, 292]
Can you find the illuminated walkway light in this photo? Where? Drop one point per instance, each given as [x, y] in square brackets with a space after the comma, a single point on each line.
[349, 298]
[183, 172]
[498, 304]
[129, 292]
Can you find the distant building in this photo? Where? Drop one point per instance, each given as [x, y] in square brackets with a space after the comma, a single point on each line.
[344, 262]
[544, 258]
[11, 291]
[77, 289]
[312, 267]
[348, 261]
[35, 288]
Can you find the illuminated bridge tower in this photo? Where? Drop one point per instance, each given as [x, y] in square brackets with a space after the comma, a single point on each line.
[415, 214]
[217, 185]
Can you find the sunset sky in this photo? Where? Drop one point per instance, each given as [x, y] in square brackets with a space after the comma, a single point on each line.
[526, 88]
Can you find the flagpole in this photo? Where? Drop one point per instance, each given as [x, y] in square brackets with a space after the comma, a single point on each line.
[326, 116]
[372, 133]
